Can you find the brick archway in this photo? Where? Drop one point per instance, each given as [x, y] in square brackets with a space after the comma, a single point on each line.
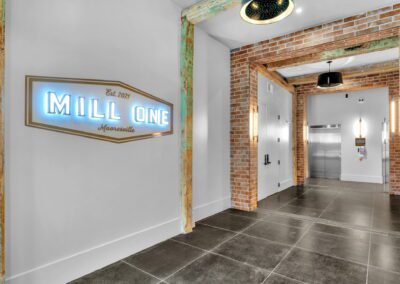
[349, 33]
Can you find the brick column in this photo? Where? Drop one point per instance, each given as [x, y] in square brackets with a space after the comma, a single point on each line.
[243, 149]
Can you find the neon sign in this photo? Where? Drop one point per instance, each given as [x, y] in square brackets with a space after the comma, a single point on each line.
[106, 110]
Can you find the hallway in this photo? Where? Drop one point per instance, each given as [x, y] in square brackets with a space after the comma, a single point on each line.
[326, 232]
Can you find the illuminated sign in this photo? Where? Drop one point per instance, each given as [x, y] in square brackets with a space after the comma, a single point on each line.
[105, 110]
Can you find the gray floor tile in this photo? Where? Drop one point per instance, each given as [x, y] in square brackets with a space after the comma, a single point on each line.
[361, 219]
[254, 214]
[279, 199]
[304, 211]
[307, 203]
[213, 269]
[385, 257]
[316, 268]
[337, 246]
[117, 273]
[279, 279]
[378, 276]
[254, 251]
[275, 232]
[228, 221]
[286, 220]
[164, 259]
[204, 237]
[357, 235]
[386, 239]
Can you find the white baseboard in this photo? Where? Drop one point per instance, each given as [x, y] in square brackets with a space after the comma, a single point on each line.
[77, 265]
[362, 178]
[211, 208]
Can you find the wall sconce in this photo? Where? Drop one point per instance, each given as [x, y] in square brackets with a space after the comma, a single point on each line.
[307, 133]
[254, 124]
[393, 116]
[360, 129]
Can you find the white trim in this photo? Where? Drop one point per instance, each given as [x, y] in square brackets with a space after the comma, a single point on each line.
[211, 208]
[362, 178]
[77, 265]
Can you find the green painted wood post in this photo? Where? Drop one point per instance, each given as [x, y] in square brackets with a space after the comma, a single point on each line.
[186, 65]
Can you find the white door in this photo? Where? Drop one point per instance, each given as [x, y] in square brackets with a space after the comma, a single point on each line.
[268, 145]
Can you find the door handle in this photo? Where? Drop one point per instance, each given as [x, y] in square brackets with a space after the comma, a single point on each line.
[266, 160]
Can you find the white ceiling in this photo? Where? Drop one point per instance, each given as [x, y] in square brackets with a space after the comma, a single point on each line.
[342, 63]
[230, 29]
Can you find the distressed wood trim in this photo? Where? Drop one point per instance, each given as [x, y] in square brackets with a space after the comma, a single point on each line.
[294, 137]
[206, 9]
[276, 78]
[348, 73]
[186, 62]
[367, 47]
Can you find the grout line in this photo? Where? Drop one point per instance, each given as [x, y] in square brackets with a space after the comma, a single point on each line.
[329, 205]
[293, 199]
[370, 238]
[238, 261]
[333, 223]
[206, 252]
[283, 244]
[186, 265]
[133, 266]
[284, 276]
[289, 251]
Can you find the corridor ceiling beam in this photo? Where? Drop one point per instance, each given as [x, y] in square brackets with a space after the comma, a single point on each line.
[348, 73]
[276, 78]
[368, 47]
[206, 9]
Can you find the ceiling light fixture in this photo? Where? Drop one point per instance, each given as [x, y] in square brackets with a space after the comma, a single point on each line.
[262, 12]
[330, 79]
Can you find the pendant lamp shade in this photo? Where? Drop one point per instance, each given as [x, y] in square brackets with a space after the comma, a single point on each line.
[262, 12]
[330, 79]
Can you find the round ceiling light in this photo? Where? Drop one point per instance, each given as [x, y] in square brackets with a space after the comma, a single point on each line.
[262, 12]
[330, 79]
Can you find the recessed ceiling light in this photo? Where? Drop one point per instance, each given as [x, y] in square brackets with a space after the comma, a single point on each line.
[262, 12]
[299, 10]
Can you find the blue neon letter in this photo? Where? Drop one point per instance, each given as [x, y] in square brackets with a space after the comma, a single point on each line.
[59, 106]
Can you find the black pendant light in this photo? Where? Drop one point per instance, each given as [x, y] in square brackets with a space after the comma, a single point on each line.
[330, 79]
[262, 12]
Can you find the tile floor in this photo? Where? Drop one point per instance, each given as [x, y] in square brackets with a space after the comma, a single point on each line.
[324, 232]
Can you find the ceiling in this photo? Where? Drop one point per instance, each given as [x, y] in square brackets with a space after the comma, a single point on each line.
[342, 63]
[230, 29]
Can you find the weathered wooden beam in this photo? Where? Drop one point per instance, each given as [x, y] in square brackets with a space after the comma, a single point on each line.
[276, 78]
[368, 47]
[206, 9]
[186, 65]
[348, 73]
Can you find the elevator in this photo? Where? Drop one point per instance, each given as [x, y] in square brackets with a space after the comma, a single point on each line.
[324, 151]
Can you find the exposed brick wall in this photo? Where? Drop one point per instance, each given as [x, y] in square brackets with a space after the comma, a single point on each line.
[390, 80]
[358, 29]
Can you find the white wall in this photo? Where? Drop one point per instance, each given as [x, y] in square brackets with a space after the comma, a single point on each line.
[75, 204]
[211, 119]
[336, 109]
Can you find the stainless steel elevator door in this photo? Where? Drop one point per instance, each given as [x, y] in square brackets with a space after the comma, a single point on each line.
[324, 151]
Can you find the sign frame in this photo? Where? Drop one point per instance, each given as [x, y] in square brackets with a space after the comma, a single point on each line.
[361, 142]
[30, 79]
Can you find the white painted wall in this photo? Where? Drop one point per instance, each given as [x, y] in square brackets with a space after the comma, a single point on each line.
[75, 204]
[274, 101]
[211, 119]
[336, 109]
